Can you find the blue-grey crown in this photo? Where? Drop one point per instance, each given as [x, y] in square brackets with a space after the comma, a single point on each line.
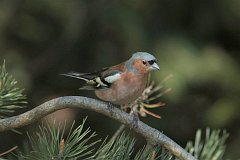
[143, 55]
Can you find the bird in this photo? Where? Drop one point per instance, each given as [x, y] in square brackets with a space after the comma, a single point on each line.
[121, 84]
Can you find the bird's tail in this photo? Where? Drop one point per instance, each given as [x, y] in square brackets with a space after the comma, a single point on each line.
[89, 78]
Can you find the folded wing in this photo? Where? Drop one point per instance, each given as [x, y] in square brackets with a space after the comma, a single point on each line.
[97, 80]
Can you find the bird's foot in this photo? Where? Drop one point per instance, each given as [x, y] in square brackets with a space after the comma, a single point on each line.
[110, 106]
[125, 107]
[135, 119]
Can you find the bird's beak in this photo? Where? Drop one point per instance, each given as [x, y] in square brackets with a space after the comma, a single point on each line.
[155, 66]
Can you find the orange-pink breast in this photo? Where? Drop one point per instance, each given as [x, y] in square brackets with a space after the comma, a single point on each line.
[125, 90]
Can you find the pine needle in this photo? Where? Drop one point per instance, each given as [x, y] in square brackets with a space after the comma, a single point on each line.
[11, 97]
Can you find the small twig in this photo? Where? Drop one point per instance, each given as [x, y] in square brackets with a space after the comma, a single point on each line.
[150, 134]
[8, 151]
[148, 147]
[150, 113]
[0, 84]
[118, 132]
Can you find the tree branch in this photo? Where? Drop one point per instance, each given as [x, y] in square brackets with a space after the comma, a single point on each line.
[150, 134]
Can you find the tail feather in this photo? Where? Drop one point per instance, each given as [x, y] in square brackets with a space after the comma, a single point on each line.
[83, 76]
[92, 80]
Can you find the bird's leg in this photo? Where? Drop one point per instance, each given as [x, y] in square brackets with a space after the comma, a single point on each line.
[124, 107]
[110, 106]
[135, 119]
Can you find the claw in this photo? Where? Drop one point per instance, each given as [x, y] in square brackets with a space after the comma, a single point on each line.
[110, 105]
[134, 120]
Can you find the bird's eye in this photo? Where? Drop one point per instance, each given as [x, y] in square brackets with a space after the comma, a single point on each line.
[144, 62]
[151, 62]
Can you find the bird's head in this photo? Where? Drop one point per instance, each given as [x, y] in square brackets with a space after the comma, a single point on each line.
[142, 62]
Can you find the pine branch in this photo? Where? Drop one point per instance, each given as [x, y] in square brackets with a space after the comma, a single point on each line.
[212, 148]
[150, 134]
[120, 148]
[50, 143]
[11, 97]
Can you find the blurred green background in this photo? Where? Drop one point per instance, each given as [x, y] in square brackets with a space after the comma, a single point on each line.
[198, 42]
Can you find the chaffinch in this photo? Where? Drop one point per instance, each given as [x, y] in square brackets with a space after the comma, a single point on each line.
[123, 83]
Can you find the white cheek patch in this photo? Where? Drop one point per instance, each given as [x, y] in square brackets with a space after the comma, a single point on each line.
[112, 78]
